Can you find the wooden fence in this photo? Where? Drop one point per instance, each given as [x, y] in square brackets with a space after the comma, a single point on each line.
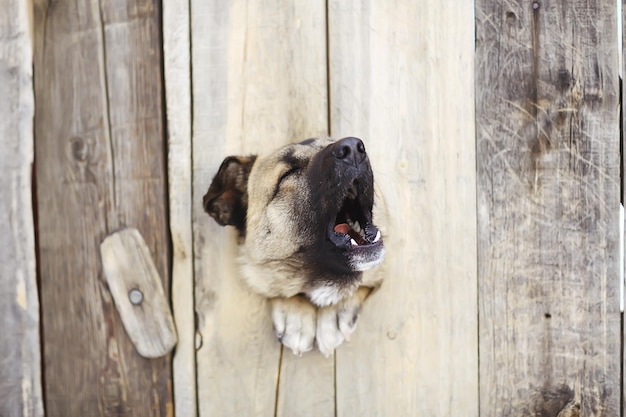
[494, 133]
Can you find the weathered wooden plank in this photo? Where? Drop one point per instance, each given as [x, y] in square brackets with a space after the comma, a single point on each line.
[259, 81]
[548, 207]
[100, 166]
[401, 77]
[177, 70]
[622, 220]
[20, 356]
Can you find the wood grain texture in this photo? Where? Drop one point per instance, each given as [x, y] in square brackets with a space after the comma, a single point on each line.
[177, 72]
[20, 355]
[259, 81]
[135, 285]
[306, 385]
[401, 77]
[100, 167]
[548, 207]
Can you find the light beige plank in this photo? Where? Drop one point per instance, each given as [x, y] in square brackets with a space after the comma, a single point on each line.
[401, 77]
[548, 208]
[259, 81]
[306, 385]
[177, 69]
[20, 364]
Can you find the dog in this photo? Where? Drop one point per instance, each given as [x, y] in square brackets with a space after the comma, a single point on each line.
[304, 217]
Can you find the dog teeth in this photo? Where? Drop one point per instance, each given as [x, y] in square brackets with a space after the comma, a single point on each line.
[377, 238]
[353, 242]
[354, 225]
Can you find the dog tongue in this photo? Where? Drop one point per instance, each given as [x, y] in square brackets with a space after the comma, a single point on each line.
[342, 228]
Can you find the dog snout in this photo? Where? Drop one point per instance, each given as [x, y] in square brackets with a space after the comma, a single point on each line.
[350, 150]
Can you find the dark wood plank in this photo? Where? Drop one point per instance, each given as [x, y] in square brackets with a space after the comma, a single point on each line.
[100, 166]
[20, 364]
[547, 122]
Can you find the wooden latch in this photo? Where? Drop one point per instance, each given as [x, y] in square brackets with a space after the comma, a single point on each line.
[138, 293]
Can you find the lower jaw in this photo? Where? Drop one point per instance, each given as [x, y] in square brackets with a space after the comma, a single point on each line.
[365, 262]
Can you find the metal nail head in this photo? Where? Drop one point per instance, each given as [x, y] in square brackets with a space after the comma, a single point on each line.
[135, 296]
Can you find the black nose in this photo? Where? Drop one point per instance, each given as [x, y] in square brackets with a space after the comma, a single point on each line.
[350, 150]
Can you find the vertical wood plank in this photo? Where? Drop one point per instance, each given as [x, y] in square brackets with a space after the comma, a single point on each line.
[548, 207]
[259, 81]
[307, 384]
[100, 166]
[177, 69]
[621, 10]
[20, 355]
[401, 77]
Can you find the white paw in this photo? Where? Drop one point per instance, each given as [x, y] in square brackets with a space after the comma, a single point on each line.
[336, 324]
[294, 323]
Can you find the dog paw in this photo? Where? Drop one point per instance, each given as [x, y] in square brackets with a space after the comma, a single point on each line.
[294, 322]
[335, 324]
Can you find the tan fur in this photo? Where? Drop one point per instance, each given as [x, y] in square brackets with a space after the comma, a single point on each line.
[278, 225]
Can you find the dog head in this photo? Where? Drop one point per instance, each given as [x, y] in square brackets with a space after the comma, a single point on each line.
[303, 211]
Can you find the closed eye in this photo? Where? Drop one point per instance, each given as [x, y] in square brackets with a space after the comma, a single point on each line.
[292, 171]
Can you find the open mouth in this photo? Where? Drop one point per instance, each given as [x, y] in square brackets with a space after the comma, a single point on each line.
[352, 227]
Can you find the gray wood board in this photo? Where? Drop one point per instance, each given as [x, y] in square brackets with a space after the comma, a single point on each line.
[548, 203]
[20, 357]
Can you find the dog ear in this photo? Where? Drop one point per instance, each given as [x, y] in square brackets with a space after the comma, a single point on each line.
[227, 198]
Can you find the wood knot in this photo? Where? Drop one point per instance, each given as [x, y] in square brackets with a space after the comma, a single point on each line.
[559, 401]
[564, 79]
[570, 410]
[511, 18]
[80, 149]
